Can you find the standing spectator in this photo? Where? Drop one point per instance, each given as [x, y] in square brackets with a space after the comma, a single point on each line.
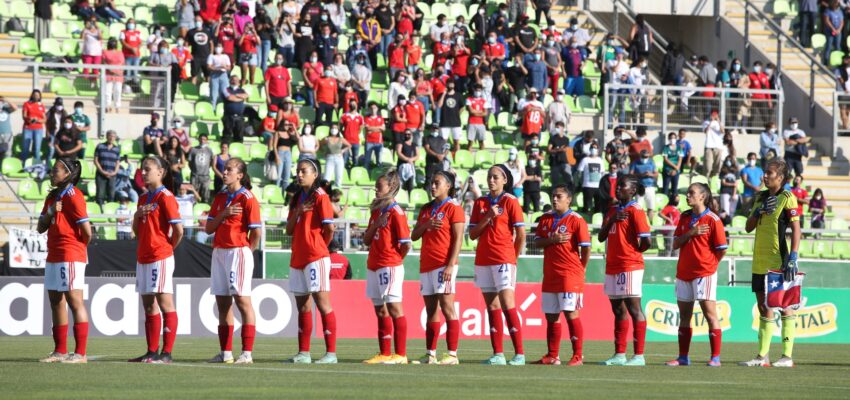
[200, 165]
[124, 231]
[542, 7]
[608, 187]
[644, 168]
[707, 79]
[796, 147]
[334, 146]
[248, 58]
[728, 146]
[225, 35]
[352, 124]
[234, 107]
[424, 91]
[219, 65]
[817, 208]
[728, 189]
[340, 267]
[436, 153]
[397, 54]
[591, 169]
[685, 146]
[557, 111]
[164, 58]
[157, 35]
[640, 39]
[153, 137]
[573, 60]
[106, 157]
[242, 17]
[398, 120]
[670, 214]
[808, 12]
[278, 82]
[361, 77]
[673, 66]
[532, 115]
[343, 81]
[265, 31]
[92, 50]
[43, 14]
[673, 157]
[312, 71]
[369, 33]
[386, 20]
[801, 194]
[713, 145]
[281, 144]
[286, 39]
[176, 157]
[114, 77]
[83, 124]
[449, 106]
[769, 140]
[53, 122]
[131, 46]
[374, 136]
[201, 43]
[398, 87]
[325, 44]
[517, 172]
[751, 175]
[616, 151]
[639, 75]
[640, 145]
[67, 142]
[516, 11]
[406, 155]
[181, 133]
[478, 109]
[186, 198]
[833, 26]
[308, 144]
[304, 33]
[531, 186]
[415, 114]
[6, 134]
[581, 36]
[583, 144]
[551, 51]
[185, 11]
[327, 97]
[537, 71]
[558, 147]
[218, 167]
[761, 102]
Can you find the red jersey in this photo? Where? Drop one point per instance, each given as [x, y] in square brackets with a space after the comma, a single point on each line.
[438, 242]
[669, 211]
[347, 98]
[438, 84]
[269, 124]
[33, 109]
[460, 62]
[562, 267]
[414, 54]
[134, 39]
[183, 56]
[339, 266]
[415, 113]
[351, 124]
[313, 71]
[495, 50]
[308, 244]
[622, 253]
[441, 54]
[759, 81]
[636, 147]
[476, 104]
[800, 194]
[154, 244]
[399, 113]
[232, 232]
[698, 258]
[292, 118]
[326, 90]
[278, 79]
[249, 44]
[64, 236]
[375, 136]
[385, 250]
[396, 55]
[496, 243]
[532, 122]
[227, 38]
[210, 11]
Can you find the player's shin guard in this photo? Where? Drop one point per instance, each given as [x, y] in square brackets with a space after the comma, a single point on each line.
[452, 335]
[515, 329]
[153, 326]
[715, 338]
[170, 331]
[248, 334]
[329, 330]
[789, 331]
[496, 332]
[305, 330]
[400, 325]
[432, 335]
[553, 337]
[385, 335]
[60, 339]
[81, 336]
[639, 337]
[621, 332]
[765, 334]
[225, 337]
[576, 335]
[685, 335]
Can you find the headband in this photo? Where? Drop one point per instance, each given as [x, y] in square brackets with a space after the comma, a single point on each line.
[66, 165]
[313, 162]
[448, 175]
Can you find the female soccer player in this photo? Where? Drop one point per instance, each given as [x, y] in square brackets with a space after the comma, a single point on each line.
[565, 240]
[774, 210]
[156, 216]
[388, 238]
[66, 222]
[440, 225]
[497, 223]
[626, 230]
[235, 219]
[701, 241]
[311, 225]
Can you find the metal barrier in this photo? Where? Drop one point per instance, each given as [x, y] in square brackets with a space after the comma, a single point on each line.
[841, 116]
[670, 108]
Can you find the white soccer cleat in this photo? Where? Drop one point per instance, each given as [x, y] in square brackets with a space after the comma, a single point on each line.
[784, 362]
[756, 362]
[220, 359]
[54, 357]
[244, 358]
[75, 358]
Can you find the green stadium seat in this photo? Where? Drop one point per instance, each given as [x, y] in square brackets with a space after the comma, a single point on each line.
[61, 86]
[88, 170]
[184, 109]
[741, 246]
[484, 159]
[307, 114]
[110, 208]
[21, 9]
[84, 87]
[12, 167]
[28, 190]
[28, 47]
[842, 249]
[273, 194]
[586, 105]
[835, 58]
[50, 47]
[269, 212]
[357, 197]
[258, 152]
[661, 200]
[806, 249]
[480, 177]
[71, 48]
[206, 112]
[90, 148]
[456, 10]
[360, 176]
[825, 249]
[58, 29]
[254, 94]
[189, 91]
[596, 246]
[238, 150]
[818, 41]
[782, 8]
[464, 159]
[108, 232]
[840, 224]
[739, 221]
[418, 197]
[93, 209]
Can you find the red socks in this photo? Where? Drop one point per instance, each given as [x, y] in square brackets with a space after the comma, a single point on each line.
[640, 337]
[515, 329]
[305, 330]
[576, 335]
[452, 334]
[60, 339]
[432, 334]
[685, 335]
[225, 337]
[153, 326]
[248, 333]
[385, 335]
[553, 337]
[621, 332]
[496, 332]
[81, 335]
[170, 332]
[400, 325]
[715, 339]
[329, 326]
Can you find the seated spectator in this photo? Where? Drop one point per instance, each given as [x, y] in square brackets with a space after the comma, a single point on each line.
[83, 9]
[124, 230]
[124, 180]
[644, 168]
[801, 194]
[340, 267]
[68, 142]
[817, 209]
[107, 12]
[182, 134]
[106, 157]
[339, 209]
[728, 189]
[796, 146]
[153, 137]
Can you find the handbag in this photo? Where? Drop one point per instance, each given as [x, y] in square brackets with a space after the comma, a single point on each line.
[270, 167]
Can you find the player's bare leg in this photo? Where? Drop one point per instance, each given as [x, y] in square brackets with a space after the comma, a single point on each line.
[59, 315]
[494, 314]
[225, 330]
[576, 337]
[715, 335]
[447, 305]
[74, 298]
[432, 329]
[686, 312]
[765, 334]
[246, 310]
[633, 304]
[621, 329]
[323, 303]
[153, 326]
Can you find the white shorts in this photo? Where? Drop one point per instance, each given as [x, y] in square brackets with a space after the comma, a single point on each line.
[624, 284]
[385, 285]
[704, 288]
[155, 277]
[432, 282]
[554, 303]
[231, 272]
[476, 132]
[64, 276]
[495, 278]
[315, 277]
[456, 133]
[648, 199]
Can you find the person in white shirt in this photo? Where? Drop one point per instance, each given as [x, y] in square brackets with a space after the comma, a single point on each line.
[125, 224]
[796, 143]
[558, 111]
[713, 144]
[219, 66]
[591, 168]
[186, 198]
[638, 76]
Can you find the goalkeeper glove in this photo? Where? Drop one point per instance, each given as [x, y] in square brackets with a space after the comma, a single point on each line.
[769, 205]
[789, 269]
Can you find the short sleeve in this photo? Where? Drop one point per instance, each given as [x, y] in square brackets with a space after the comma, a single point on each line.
[457, 215]
[475, 217]
[252, 212]
[325, 211]
[77, 210]
[267, 75]
[543, 227]
[515, 213]
[582, 233]
[400, 228]
[170, 209]
[640, 222]
[718, 236]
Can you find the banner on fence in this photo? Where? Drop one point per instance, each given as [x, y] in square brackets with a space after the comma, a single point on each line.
[27, 249]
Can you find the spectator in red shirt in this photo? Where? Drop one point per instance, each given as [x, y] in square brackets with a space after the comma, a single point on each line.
[210, 11]
[415, 111]
[340, 267]
[494, 50]
[225, 34]
[670, 214]
[34, 117]
[801, 194]
[248, 58]
[399, 120]
[642, 143]
[460, 62]
[374, 135]
[131, 45]
[312, 71]
[352, 123]
[442, 50]
[278, 82]
[327, 97]
[183, 56]
[762, 104]
[397, 54]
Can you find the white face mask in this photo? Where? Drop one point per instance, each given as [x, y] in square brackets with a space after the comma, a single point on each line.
[402, 102]
[307, 130]
[314, 59]
[69, 125]
[178, 125]
[673, 142]
[768, 71]
[532, 163]
[334, 132]
[60, 108]
[435, 133]
[512, 157]
[772, 130]
[219, 50]
[794, 126]
[756, 69]
[752, 163]
[594, 152]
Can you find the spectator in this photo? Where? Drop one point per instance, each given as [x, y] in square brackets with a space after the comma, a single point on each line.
[219, 66]
[573, 60]
[352, 124]
[713, 144]
[436, 154]
[92, 50]
[670, 214]
[558, 147]
[242, 17]
[325, 45]
[728, 189]
[153, 137]
[644, 168]
[165, 58]
[590, 168]
[361, 77]
[34, 118]
[397, 54]
[608, 187]
[449, 106]
[541, 7]
[619, 74]
[43, 14]
[808, 12]
[182, 134]
[761, 102]
[6, 134]
[218, 167]
[131, 46]
[289, 113]
[83, 123]
[53, 122]
[342, 75]
[234, 107]
[581, 36]
[123, 181]
[264, 28]
[308, 145]
[369, 33]
[531, 186]
[532, 115]
[201, 45]
[525, 37]
[225, 35]
[398, 122]
[673, 157]
[833, 26]
[582, 146]
[269, 124]
[638, 75]
[424, 90]
[286, 39]
[801, 194]
[338, 209]
[707, 78]
[769, 140]
[480, 27]
[817, 208]
[340, 267]
[312, 70]
[557, 111]
[616, 151]
[551, 51]
[186, 198]
[124, 230]
[83, 9]
[415, 114]
[478, 109]
[106, 157]
[640, 144]
[751, 175]
[157, 36]
[537, 71]
[842, 75]
[738, 79]
[68, 142]
[176, 157]
[398, 87]
[281, 144]
[200, 165]
[673, 66]
[248, 58]
[406, 155]
[685, 146]
[334, 146]
[517, 172]
[728, 146]
[107, 12]
[640, 39]
[386, 20]
[114, 77]
[185, 11]
[438, 28]
[796, 147]
[327, 97]
[305, 30]
[375, 126]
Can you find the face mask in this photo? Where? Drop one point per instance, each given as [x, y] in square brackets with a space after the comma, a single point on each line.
[478, 93]
[205, 145]
[374, 111]
[324, 17]
[752, 163]
[180, 43]
[534, 142]
[537, 57]
[348, 88]
[59, 108]
[643, 65]
[401, 79]
[673, 142]
[818, 197]
[326, 36]
[641, 139]
[474, 61]
[445, 42]
[612, 42]
[644, 160]
[273, 115]
[131, 26]
[772, 130]
[512, 157]
[532, 163]
[79, 111]
[219, 50]
[198, 24]
[573, 27]
[768, 71]
[492, 40]
[307, 130]
[756, 69]
[794, 127]
[574, 45]
[68, 125]
[402, 102]
[550, 43]
[314, 59]
[163, 51]
[328, 74]
[594, 152]
[736, 67]
[434, 133]
[178, 125]
[334, 132]
[728, 163]
[158, 34]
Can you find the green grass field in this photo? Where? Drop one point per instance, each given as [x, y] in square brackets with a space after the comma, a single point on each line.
[823, 371]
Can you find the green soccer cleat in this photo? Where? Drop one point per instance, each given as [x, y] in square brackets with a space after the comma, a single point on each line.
[428, 359]
[496, 359]
[616, 359]
[518, 359]
[301, 358]
[636, 361]
[448, 359]
[329, 358]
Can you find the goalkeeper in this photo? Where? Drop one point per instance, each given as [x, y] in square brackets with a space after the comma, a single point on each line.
[774, 211]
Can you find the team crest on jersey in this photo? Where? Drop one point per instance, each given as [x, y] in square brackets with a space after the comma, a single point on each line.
[562, 229]
[793, 212]
[440, 216]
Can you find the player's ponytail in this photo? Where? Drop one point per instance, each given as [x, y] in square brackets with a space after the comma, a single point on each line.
[707, 201]
[392, 180]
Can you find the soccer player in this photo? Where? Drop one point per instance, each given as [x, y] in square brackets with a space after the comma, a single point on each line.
[66, 222]
[701, 241]
[565, 240]
[774, 211]
[235, 220]
[440, 225]
[388, 238]
[626, 230]
[497, 223]
[156, 216]
[311, 225]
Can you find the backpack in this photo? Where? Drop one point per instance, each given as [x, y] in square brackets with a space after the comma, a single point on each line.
[14, 24]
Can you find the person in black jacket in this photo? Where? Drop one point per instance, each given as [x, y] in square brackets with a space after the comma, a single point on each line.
[607, 187]
[673, 66]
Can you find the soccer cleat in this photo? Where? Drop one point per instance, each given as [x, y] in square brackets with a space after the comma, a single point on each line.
[75, 358]
[756, 362]
[616, 359]
[377, 359]
[449, 359]
[395, 359]
[162, 358]
[495, 359]
[54, 357]
[301, 358]
[518, 359]
[714, 362]
[575, 361]
[784, 361]
[244, 358]
[219, 359]
[636, 361]
[150, 355]
[329, 358]
[548, 360]
[682, 361]
[428, 359]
